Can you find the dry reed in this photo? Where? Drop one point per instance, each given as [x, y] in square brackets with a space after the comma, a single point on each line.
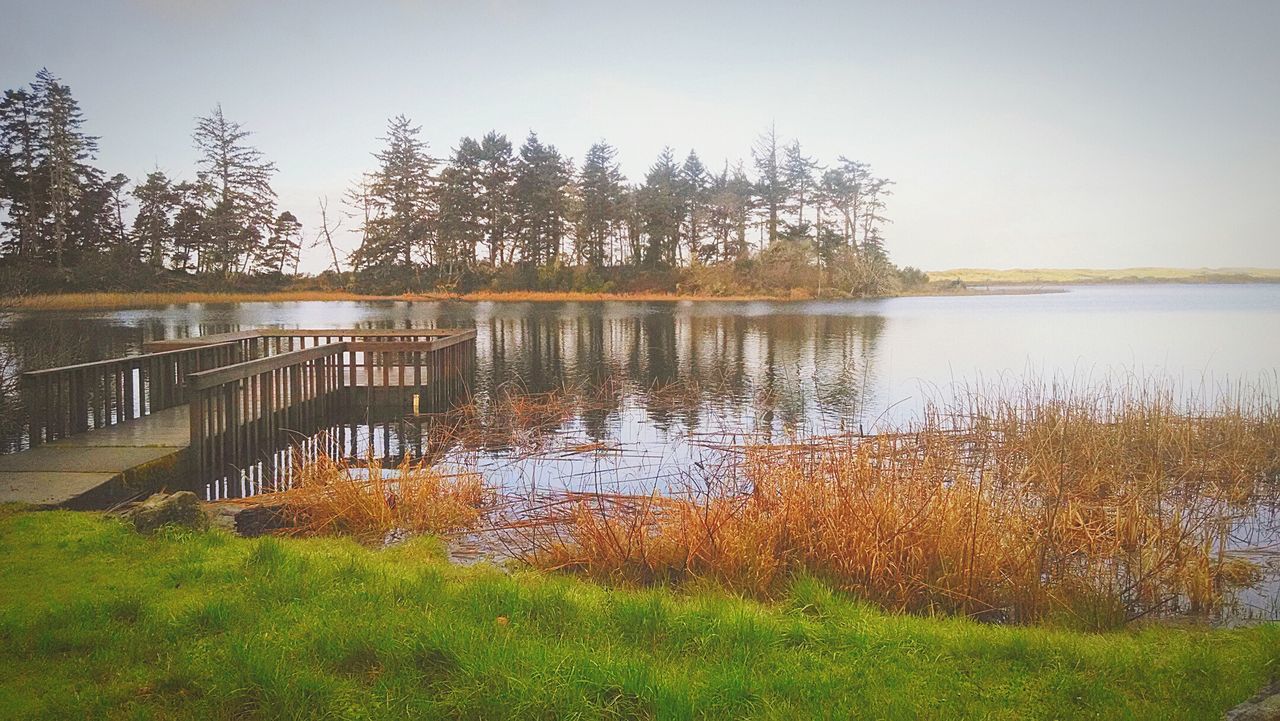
[1093, 509]
[329, 496]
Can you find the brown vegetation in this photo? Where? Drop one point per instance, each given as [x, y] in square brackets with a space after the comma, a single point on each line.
[332, 497]
[1092, 511]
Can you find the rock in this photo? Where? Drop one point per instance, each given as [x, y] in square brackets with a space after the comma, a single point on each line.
[247, 516]
[222, 516]
[1264, 706]
[260, 520]
[168, 509]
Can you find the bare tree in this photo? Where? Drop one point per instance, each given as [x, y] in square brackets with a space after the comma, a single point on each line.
[325, 236]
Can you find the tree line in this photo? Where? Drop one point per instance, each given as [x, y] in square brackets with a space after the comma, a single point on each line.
[489, 215]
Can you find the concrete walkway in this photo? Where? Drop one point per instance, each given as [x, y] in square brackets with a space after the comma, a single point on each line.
[101, 466]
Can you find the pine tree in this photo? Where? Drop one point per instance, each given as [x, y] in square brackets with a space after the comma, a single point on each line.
[283, 247]
[798, 173]
[66, 150]
[23, 189]
[461, 223]
[601, 188]
[497, 180]
[661, 211]
[730, 208]
[158, 202]
[189, 235]
[236, 178]
[771, 185]
[844, 187]
[632, 221]
[97, 221]
[695, 185]
[541, 194]
[400, 192]
[873, 194]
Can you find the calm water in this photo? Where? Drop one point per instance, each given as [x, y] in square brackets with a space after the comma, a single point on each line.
[777, 364]
[640, 385]
[647, 377]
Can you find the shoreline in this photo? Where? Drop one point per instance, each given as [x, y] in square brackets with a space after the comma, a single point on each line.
[1017, 277]
[150, 299]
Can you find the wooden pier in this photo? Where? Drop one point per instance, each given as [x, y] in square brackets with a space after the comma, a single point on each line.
[197, 410]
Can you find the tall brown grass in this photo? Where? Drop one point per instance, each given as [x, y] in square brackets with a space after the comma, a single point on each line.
[1093, 509]
[331, 496]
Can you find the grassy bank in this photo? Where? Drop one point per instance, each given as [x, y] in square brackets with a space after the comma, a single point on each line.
[1061, 276]
[98, 622]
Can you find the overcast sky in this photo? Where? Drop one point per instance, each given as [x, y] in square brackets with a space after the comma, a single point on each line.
[1058, 134]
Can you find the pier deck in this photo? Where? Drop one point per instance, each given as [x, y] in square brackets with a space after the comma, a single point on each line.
[103, 432]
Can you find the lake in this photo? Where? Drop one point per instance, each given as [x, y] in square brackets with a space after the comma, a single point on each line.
[643, 378]
[777, 364]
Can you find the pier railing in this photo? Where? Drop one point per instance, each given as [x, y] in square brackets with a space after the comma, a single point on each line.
[240, 411]
[270, 341]
[74, 399]
[243, 412]
[250, 391]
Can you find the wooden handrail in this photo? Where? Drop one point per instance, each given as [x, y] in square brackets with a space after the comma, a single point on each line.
[226, 374]
[140, 358]
[369, 332]
[315, 333]
[409, 346]
[72, 399]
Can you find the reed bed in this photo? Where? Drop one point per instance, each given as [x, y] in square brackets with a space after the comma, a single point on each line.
[1091, 508]
[330, 496]
[109, 301]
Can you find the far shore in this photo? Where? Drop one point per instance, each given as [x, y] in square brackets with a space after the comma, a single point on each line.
[954, 282]
[1093, 276]
[118, 301]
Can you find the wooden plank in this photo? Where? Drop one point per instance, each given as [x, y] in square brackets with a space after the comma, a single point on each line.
[225, 374]
[113, 361]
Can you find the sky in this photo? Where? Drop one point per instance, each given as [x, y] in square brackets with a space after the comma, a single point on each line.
[1019, 134]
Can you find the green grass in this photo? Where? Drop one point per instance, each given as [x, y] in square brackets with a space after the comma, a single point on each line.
[98, 622]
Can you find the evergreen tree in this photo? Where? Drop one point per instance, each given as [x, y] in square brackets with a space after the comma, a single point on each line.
[97, 221]
[730, 208]
[23, 189]
[873, 205]
[601, 187]
[400, 192]
[695, 185]
[497, 180]
[236, 178]
[798, 172]
[843, 187]
[189, 236]
[65, 152]
[632, 220]
[281, 252]
[158, 202]
[771, 186]
[461, 225]
[661, 211]
[541, 194]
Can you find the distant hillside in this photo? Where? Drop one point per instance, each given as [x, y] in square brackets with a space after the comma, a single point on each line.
[1032, 276]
